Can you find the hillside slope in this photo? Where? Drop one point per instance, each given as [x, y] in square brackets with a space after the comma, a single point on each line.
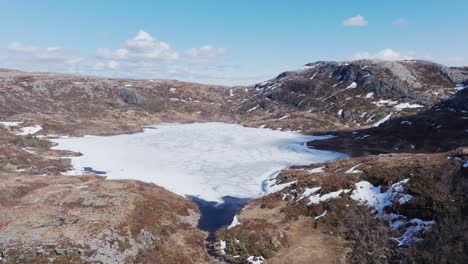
[443, 127]
[361, 93]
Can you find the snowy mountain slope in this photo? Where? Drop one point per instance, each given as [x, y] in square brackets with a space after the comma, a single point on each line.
[360, 92]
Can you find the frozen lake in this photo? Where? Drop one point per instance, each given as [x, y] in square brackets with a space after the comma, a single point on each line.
[206, 160]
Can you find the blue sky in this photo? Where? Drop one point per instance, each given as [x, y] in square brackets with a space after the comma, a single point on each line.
[224, 42]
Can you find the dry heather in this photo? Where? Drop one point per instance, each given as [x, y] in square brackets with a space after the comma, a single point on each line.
[354, 233]
[60, 219]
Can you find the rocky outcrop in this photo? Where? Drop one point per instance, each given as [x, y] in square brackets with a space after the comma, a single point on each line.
[130, 97]
[88, 219]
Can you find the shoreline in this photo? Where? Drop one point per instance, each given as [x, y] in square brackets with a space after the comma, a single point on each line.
[215, 216]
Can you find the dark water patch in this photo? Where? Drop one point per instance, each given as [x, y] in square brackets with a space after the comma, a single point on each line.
[215, 216]
[90, 169]
[150, 127]
[352, 152]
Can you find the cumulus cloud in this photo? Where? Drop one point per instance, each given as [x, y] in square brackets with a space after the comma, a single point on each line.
[456, 61]
[385, 54]
[144, 56]
[110, 65]
[356, 21]
[399, 21]
[141, 47]
[205, 53]
[53, 54]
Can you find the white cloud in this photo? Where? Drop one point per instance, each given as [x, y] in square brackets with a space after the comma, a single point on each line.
[205, 53]
[356, 21]
[110, 65]
[385, 54]
[145, 57]
[139, 57]
[52, 54]
[140, 48]
[456, 61]
[399, 21]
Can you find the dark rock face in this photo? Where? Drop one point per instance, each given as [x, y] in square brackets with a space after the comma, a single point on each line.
[440, 128]
[458, 102]
[131, 97]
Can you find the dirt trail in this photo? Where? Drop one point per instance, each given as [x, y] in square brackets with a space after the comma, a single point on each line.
[306, 244]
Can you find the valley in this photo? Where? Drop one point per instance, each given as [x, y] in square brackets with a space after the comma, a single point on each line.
[399, 197]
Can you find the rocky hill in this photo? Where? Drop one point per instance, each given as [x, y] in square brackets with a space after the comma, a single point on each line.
[320, 96]
[67, 104]
[361, 93]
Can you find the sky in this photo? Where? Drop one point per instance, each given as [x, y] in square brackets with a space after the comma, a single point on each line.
[224, 42]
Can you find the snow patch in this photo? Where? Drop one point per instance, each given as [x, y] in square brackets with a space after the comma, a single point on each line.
[416, 227]
[382, 102]
[279, 187]
[336, 84]
[372, 196]
[383, 120]
[306, 67]
[315, 199]
[24, 131]
[313, 76]
[460, 87]
[317, 170]
[401, 106]
[253, 109]
[352, 85]
[321, 215]
[11, 123]
[353, 169]
[235, 222]
[255, 260]
[222, 246]
[308, 192]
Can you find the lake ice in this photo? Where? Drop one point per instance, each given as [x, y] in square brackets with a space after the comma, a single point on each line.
[206, 160]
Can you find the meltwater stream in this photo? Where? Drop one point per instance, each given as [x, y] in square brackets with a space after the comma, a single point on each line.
[219, 166]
